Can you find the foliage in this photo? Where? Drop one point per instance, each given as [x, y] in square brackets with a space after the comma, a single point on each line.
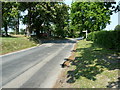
[12, 33]
[11, 16]
[53, 17]
[91, 16]
[6, 16]
[43, 15]
[108, 39]
[16, 16]
[61, 20]
[40, 17]
[22, 31]
[117, 9]
[117, 28]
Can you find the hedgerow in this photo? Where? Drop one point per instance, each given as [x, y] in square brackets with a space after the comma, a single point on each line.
[107, 39]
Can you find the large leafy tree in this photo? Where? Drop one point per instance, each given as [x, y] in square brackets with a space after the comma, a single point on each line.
[27, 19]
[16, 16]
[6, 15]
[61, 19]
[44, 17]
[41, 17]
[91, 16]
[11, 16]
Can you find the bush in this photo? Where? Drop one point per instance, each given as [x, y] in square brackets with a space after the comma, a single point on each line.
[117, 28]
[22, 31]
[91, 36]
[107, 39]
[12, 32]
[35, 39]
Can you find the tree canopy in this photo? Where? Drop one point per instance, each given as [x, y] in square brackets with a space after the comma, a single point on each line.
[91, 16]
[40, 18]
[55, 19]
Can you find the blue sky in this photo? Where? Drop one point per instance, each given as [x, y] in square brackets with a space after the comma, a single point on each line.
[114, 18]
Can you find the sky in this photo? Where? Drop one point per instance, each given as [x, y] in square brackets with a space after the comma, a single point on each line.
[113, 19]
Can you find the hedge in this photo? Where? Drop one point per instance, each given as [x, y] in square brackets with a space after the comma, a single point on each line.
[107, 39]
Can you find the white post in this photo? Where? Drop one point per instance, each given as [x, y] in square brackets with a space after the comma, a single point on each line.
[86, 33]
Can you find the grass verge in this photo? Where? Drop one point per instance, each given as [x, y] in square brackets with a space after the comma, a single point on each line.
[93, 67]
[11, 44]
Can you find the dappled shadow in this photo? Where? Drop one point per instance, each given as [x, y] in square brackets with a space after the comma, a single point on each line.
[59, 41]
[51, 40]
[9, 36]
[92, 62]
[114, 84]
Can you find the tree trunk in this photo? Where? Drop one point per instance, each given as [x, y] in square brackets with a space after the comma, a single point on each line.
[37, 33]
[48, 30]
[6, 30]
[17, 28]
[17, 24]
[29, 19]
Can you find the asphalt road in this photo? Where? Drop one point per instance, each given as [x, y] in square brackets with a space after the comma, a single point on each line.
[37, 67]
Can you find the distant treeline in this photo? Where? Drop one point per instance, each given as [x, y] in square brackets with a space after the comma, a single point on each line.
[56, 18]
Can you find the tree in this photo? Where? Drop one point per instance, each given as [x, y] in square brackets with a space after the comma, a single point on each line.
[41, 17]
[36, 17]
[44, 15]
[29, 7]
[11, 16]
[117, 28]
[15, 13]
[61, 20]
[117, 9]
[91, 16]
[6, 17]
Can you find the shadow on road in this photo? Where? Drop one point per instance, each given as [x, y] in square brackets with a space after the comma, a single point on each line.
[9, 36]
[59, 41]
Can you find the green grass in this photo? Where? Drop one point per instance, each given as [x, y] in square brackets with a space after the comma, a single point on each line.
[94, 67]
[11, 44]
